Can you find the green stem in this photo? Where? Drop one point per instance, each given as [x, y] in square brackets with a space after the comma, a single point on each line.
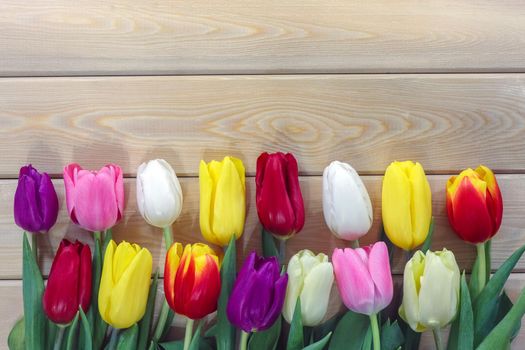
[355, 244]
[482, 268]
[113, 340]
[97, 236]
[168, 236]
[163, 316]
[244, 340]
[188, 334]
[34, 246]
[59, 338]
[437, 338]
[282, 251]
[375, 332]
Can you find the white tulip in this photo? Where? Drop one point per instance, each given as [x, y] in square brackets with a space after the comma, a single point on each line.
[159, 196]
[310, 278]
[346, 205]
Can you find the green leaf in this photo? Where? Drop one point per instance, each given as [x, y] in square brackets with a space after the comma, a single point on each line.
[127, 339]
[368, 340]
[412, 338]
[465, 340]
[486, 304]
[145, 323]
[266, 340]
[268, 245]
[33, 289]
[350, 332]
[173, 345]
[167, 325]
[15, 341]
[212, 331]
[295, 337]
[225, 330]
[319, 345]
[51, 332]
[86, 331]
[320, 331]
[71, 341]
[428, 241]
[500, 336]
[196, 340]
[391, 336]
[505, 304]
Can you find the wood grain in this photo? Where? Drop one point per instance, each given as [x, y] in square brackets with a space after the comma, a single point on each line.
[315, 235]
[233, 36]
[446, 122]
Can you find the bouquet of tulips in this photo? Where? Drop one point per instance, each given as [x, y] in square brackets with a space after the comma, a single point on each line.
[103, 296]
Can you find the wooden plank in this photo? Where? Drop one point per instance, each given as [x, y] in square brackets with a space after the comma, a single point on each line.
[222, 36]
[446, 122]
[315, 235]
[11, 304]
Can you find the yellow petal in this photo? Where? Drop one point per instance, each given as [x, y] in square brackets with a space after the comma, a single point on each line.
[123, 256]
[421, 205]
[206, 201]
[473, 177]
[240, 170]
[488, 177]
[106, 282]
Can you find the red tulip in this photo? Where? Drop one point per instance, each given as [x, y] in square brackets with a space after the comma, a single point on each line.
[69, 283]
[278, 195]
[474, 204]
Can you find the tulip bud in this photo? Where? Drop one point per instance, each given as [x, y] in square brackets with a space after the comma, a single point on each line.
[69, 283]
[95, 200]
[124, 284]
[407, 204]
[310, 278]
[278, 195]
[346, 205]
[258, 294]
[222, 200]
[159, 196]
[474, 204]
[192, 280]
[36, 202]
[430, 290]
[363, 277]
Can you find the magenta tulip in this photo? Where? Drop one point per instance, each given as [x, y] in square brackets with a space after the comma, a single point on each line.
[95, 200]
[363, 278]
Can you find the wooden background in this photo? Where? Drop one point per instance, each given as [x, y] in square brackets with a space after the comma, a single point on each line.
[119, 81]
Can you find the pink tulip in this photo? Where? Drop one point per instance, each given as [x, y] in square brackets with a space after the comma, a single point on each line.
[363, 277]
[95, 200]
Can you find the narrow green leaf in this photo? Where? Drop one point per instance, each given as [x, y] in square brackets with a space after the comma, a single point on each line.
[127, 339]
[51, 332]
[169, 322]
[466, 318]
[71, 341]
[500, 336]
[474, 280]
[145, 323]
[225, 330]
[196, 340]
[428, 241]
[15, 341]
[266, 340]
[212, 331]
[295, 337]
[33, 289]
[486, 304]
[326, 327]
[368, 340]
[268, 245]
[350, 332]
[173, 345]
[505, 304]
[319, 345]
[86, 331]
[391, 336]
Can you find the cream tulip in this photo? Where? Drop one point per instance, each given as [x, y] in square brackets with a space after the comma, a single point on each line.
[430, 290]
[159, 195]
[346, 205]
[310, 278]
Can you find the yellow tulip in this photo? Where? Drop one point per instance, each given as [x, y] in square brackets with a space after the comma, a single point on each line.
[124, 284]
[406, 204]
[222, 200]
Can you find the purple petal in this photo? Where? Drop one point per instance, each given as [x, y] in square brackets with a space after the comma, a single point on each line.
[26, 212]
[48, 203]
[279, 292]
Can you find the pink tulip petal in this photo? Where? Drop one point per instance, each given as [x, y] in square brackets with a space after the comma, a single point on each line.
[379, 267]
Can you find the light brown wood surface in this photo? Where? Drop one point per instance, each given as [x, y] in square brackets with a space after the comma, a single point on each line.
[314, 236]
[446, 122]
[58, 37]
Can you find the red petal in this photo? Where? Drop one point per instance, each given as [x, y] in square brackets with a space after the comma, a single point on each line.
[84, 288]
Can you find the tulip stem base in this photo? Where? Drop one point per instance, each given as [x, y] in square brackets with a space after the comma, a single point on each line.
[437, 338]
[59, 338]
[355, 243]
[188, 334]
[244, 340]
[113, 339]
[168, 236]
[34, 246]
[376, 337]
[482, 268]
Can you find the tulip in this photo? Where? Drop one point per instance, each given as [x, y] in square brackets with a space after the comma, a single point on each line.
[69, 283]
[278, 195]
[430, 290]
[310, 278]
[95, 200]
[124, 284]
[159, 196]
[346, 205]
[192, 280]
[474, 204]
[407, 204]
[222, 200]
[258, 294]
[36, 202]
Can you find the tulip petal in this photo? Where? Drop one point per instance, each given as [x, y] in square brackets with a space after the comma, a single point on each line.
[124, 255]
[207, 196]
[26, 211]
[421, 205]
[409, 310]
[279, 292]
[294, 287]
[48, 202]
[84, 288]
[379, 267]
[494, 199]
[316, 294]
[70, 178]
[170, 272]
[294, 191]
[206, 288]
[106, 282]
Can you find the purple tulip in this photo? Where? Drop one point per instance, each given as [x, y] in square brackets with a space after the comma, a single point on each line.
[36, 202]
[258, 294]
